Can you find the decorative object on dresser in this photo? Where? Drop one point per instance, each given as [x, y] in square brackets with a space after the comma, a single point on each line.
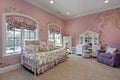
[73, 50]
[67, 43]
[40, 60]
[109, 56]
[87, 50]
[91, 39]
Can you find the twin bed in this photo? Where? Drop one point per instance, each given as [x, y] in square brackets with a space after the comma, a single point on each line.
[40, 61]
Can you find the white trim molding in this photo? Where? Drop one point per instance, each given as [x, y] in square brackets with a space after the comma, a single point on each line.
[9, 68]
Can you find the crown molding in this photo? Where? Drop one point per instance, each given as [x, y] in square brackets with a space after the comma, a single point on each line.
[93, 12]
[35, 3]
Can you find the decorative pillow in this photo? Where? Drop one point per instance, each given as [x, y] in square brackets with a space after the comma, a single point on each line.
[111, 50]
[42, 46]
[50, 44]
[32, 47]
[37, 48]
[51, 47]
[29, 48]
[47, 48]
[33, 44]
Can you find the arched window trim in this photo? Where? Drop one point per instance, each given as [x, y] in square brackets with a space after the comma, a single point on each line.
[57, 25]
[4, 30]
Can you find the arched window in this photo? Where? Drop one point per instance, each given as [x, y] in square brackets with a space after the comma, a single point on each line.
[17, 28]
[54, 34]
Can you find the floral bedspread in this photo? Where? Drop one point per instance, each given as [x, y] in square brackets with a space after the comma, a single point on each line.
[44, 57]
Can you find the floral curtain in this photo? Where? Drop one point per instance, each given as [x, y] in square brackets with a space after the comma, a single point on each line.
[54, 29]
[20, 22]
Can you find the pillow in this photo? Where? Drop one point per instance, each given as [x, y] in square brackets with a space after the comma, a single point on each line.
[37, 48]
[29, 48]
[33, 42]
[42, 46]
[50, 44]
[47, 48]
[51, 47]
[111, 50]
[32, 47]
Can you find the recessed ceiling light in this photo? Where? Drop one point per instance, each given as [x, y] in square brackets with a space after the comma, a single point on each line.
[67, 13]
[51, 1]
[106, 1]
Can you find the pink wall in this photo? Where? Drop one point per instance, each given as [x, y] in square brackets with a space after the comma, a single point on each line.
[32, 11]
[73, 27]
[110, 33]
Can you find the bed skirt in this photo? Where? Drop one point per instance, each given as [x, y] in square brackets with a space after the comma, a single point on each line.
[44, 67]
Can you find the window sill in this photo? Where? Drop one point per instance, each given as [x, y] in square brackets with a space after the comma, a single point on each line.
[12, 54]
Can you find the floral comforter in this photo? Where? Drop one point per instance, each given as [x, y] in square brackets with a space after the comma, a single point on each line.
[44, 57]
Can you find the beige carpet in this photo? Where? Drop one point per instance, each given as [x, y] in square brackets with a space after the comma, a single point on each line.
[75, 68]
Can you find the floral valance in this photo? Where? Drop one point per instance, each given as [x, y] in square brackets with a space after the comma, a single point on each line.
[20, 22]
[54, 29]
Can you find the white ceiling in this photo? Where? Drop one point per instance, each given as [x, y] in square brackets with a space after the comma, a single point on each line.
[76, 8]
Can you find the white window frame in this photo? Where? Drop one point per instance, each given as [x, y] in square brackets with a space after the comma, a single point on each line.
[60, 32]
[4, 31]
[29, 34]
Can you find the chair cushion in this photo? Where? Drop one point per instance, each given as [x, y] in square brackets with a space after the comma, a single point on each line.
[107, 55]
[110, 50]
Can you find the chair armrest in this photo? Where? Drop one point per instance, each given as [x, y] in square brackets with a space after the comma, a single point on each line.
[116, 59]
[116, 56]
[100, 51]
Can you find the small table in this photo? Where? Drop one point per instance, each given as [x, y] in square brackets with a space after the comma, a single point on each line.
[86, 54]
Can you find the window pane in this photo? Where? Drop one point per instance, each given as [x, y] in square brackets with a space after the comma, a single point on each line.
[9, 41]
[58, 41]
[17, 40]
[32, 35]
[26, 34]
[51, 37]
[56, 38]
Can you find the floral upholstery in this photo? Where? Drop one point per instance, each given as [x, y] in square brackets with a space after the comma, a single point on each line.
[45, 57]
[42, 46]
[39, 46]
[32, 45]
[50, 45]
[42, 60]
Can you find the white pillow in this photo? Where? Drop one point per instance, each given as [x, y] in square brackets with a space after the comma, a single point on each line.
[111, 50]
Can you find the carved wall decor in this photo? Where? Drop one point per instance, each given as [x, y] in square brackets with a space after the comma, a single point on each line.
[12, 9]
[110, 17]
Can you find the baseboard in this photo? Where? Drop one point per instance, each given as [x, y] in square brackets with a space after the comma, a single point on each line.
[9, 68]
